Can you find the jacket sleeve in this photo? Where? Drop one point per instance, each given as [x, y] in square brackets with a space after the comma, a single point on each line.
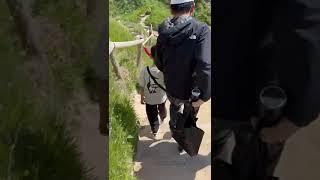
[203, 63]
[297, 49]
[158, 57]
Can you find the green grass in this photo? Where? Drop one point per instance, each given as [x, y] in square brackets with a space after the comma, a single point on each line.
[127, 56]
[44, 148]
[203, 13]
[124, 133]
[158, 9]
[124, 127]
[70, 65]
[124, 124]
[118, 32]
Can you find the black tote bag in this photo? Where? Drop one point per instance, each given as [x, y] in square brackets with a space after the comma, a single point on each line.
[189, 138]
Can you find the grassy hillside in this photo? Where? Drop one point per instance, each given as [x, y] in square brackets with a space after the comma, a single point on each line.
[124, 127]
[158, 10]
[35, 143]
[124, 19]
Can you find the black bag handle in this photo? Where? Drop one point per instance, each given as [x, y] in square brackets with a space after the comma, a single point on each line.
[154, 79]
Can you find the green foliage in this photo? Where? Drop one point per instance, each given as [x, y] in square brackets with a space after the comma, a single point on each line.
[43, 147]
[124, 128]
[124, 133]
[126, 6]
[37, 154]
[126, 57]
[203, 12]
[118, 32]
[158, 11]
[70, 16]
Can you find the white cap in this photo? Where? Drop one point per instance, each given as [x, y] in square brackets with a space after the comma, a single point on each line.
[180, 1]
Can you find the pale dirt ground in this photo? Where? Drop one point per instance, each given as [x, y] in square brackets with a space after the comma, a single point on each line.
[92, 145]
[159, 159]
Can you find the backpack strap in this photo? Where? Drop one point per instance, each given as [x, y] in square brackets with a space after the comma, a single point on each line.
[154, 79]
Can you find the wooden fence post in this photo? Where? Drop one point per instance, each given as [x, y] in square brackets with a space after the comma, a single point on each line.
[115, 66]
[139, 53]
[150, 32]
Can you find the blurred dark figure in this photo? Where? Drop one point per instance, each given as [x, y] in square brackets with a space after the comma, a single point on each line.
[259, 44]
[101, 68]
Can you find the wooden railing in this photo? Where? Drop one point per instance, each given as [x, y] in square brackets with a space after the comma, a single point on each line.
[139, 42]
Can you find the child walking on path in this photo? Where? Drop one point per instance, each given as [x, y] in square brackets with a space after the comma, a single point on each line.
[152, 95]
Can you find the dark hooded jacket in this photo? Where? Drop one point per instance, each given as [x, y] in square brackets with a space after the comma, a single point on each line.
[253, 37]
[99, 62]
[183, 54]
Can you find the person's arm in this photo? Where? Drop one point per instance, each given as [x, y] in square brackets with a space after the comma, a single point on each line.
[158, 61]
[157, 58]
[142, 95]
[203, 64]
[297, 49]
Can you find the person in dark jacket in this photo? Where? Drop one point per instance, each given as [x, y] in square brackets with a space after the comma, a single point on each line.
[184, 56]
[253, 39]
[100, 65]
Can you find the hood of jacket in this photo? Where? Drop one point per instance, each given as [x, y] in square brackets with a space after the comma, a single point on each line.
[174, 30]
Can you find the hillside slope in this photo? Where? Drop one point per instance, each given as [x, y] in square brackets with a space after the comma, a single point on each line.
[38, 119]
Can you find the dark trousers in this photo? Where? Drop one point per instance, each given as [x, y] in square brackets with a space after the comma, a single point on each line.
[152, 112]
[180, 107]
[231, 144]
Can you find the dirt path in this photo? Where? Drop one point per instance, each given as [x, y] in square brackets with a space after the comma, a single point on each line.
[143, 24]
[82, 114]
[143, 20]
[159, 159]
[92, 145]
